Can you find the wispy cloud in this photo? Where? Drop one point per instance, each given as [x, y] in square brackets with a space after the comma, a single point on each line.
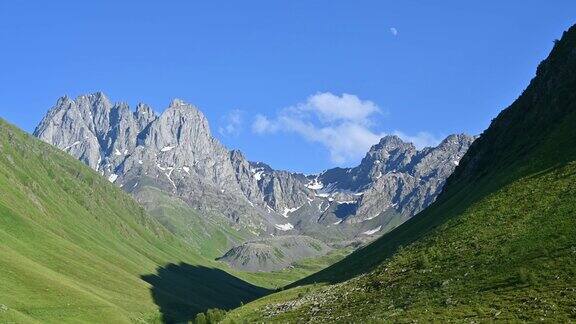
[343, 124]
[263, 125]
[231, 123]
[345, 108]
[394, 31]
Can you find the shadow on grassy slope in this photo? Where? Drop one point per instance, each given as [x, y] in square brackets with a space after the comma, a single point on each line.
[182, 290]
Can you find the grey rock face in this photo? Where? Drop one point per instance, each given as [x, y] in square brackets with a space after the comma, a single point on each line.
[393, 182]
[394, 174]
[176, 153]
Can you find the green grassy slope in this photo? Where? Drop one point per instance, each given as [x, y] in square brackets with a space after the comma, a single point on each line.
[211, 236]
[75, 248]
[499, 241]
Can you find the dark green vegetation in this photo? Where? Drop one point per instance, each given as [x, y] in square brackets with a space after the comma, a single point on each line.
[214, 315]
[499, 243]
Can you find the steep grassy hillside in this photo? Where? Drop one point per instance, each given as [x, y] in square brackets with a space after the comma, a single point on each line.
[209, 236]
[499, 243]
[75, 248]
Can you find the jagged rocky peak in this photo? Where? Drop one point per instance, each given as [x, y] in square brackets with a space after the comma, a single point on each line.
[237, 155]
[73, 125]
[175, 152]
[457, 140]
[96, 107]
[394, 174]
[442, 159]
[177, 102]
[390, 143]
[392, 153]
[261, 166]
[144, 115]
[144, 111]
[97, 101]
[178, 124]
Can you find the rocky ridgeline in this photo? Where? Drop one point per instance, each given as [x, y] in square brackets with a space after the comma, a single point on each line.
[176, 153]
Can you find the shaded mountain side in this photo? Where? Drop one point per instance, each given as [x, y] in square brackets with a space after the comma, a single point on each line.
[73, 247]
[176, 291]
[534, 134]
[498, 243]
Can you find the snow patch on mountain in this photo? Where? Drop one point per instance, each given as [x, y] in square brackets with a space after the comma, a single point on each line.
[373, 231]
[258, 175]
[167, 148]
[112, 177]
[72, 145]
[289, 210]
[315, 184]
[284, 227]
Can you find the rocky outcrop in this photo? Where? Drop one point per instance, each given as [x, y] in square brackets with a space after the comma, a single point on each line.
[274, 253]
[395, 174]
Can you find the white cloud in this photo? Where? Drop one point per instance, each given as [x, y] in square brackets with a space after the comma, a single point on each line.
[346, 107]
[342, 124]
[394, 31]
[262, 125]
[345, 141]
[231, 123]
[339, 123]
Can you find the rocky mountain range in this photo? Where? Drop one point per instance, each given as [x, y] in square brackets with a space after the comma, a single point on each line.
[176, 153]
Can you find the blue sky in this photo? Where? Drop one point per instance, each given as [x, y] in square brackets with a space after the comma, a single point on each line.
[301, 85]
